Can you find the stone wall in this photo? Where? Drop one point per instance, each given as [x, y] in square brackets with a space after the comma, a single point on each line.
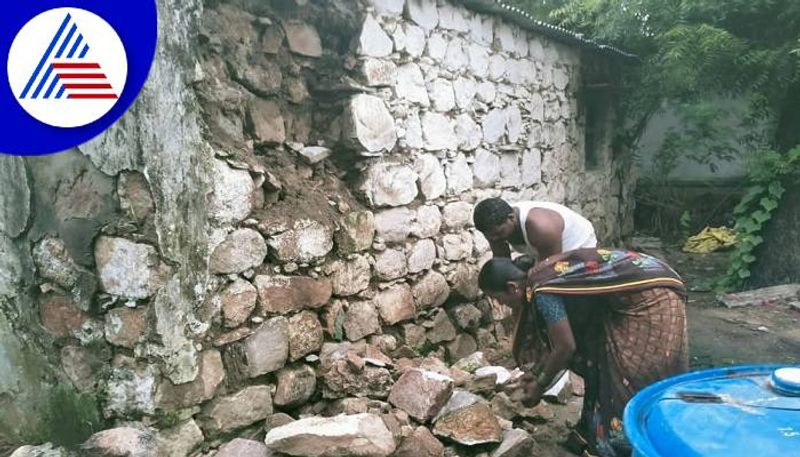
[283, 221]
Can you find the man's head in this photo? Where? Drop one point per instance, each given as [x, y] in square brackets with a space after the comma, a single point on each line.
[501, 279]
[495, 218]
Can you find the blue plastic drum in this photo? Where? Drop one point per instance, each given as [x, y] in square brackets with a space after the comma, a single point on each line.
[747, 411]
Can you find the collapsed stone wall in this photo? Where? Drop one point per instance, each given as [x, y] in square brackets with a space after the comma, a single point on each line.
[284, 216]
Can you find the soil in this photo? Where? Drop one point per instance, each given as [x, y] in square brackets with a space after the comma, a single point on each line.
[718, 336]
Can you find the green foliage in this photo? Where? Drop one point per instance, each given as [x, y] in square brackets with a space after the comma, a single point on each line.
[71, 417]
[764, 192]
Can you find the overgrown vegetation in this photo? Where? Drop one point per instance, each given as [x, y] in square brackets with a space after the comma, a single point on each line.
[766, 185]
[71, 418]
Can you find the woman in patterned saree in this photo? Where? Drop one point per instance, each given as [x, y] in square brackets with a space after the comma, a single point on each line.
[615, 317]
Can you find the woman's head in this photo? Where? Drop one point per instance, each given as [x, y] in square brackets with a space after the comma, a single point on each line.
[500, 278]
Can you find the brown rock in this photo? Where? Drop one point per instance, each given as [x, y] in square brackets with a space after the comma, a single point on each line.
[414, 335]
[431, 291]
[266, 121]
[421, 443]
[340, 436]
[134, 195]
[237, 301]
[232, 336]
[126, 326]
[349, 277]
[461, 347]
[442, 329]
[242, 249]
[295, 386]
[249, 405]
[121, 442]
[267, 349]
[240, 447]
[467, 317]
[272, 39]
[342, 380]
[81, 366]
[421, 393]
[465, 281]
[471, 425]
[303, 39]
[179, 441]
[285, 294]
[361, 319]
[60, 316]
[277, 420]
[305, 335]
[516, 443]
[210, 374]
[357, 232]
[395, 304]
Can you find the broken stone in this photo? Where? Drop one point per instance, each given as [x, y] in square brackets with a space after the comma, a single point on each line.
[458, 400]
[442, 329]
[306, 241]
[121, 441]
[465, 281]
[472, 362]
[420, 256]
[471, 425]
[468, 133]
[361, 320]
[494, 125]
[314, 154]
[467, 316]
[441, 95]
[267, 349]
[340, 436]
[349, 277]
[305, 335]
[130, 390]
[241, 447]
[395, 304]
[241, 250]
[54, 262]
[516, 443]
[394, 225]
[232, 336]
[342, 380]
[60, 316]
[303, 39]
[373, 41]
[272, 39]
[410, 85]
[421, 443]
[421, 393]
[378, 73]
[414, 335]
[531, 167]
[486, 169]
[126, 326]
[295, 386]
[457, 215]
[423, 13]
[237, 301]
[510, 173]
[459, 175]
[456, 247]
[356, 233]
[81, 366]
[438, 132]
[210, 375]
[266, 121]
[231, 412]
[43, 450]
[389, 184]
[179, 441]
[369, 124]
[390, 264]
[277, 420]
[129, 269]
[285, 294]
[462, 346]
[432, 182]
[431, 291]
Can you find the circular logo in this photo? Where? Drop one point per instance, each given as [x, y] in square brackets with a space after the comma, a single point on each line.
[71, 72]
[67, 67]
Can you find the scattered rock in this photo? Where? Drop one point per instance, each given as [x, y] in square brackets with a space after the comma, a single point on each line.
[356, 233]
[467, 316]
[285, 294]
[442, 329]
[226, 414]
[395, 304]
[356, 435]
[421, 443]
[516, 443]
[431, 291]
[370, 126]
[361, 320]
[786, 294]
[240, 447]
[277, 420]
[179, 441]
[266, 122]
[241, 250]
[295, 386]
[349, 277]
[389, 184]
[43, 450]
[314, 154]
[463, 345]
[121, 442]
[471, 425]
[421, 393]
[306, 241]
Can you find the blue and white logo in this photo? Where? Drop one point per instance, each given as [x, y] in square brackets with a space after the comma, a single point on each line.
[71, 71]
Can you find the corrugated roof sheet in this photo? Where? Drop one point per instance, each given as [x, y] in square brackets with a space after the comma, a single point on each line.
[526, 21]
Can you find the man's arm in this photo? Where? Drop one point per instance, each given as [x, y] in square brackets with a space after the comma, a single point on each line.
[500, 249]
[545, 228]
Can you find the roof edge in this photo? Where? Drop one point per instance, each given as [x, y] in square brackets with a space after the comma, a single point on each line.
[525, 20]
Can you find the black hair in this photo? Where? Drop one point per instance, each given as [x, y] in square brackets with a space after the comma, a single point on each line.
[497, 272]
[490, 213]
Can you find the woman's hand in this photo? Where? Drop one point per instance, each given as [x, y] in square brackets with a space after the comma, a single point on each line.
[526, 390]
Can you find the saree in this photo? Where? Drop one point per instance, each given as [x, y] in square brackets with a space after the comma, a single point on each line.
[627, 313]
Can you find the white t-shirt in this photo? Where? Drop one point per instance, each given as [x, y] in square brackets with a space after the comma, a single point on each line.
[578, 231]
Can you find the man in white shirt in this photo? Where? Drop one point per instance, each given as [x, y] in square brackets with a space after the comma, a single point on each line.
[537, 229]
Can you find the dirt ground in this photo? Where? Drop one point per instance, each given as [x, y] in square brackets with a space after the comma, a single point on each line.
[718, 336]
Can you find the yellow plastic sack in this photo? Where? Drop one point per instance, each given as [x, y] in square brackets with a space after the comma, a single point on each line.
[710, 239]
